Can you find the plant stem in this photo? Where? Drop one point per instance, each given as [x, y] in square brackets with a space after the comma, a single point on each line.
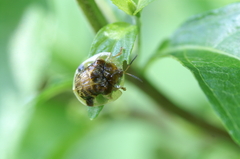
[93, 14]
[170, 107]
[97, 21]
[139, 26]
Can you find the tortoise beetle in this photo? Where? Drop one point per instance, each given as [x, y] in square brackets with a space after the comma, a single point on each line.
[98, 80]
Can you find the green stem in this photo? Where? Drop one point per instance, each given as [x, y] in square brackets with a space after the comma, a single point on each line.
[139, 26]
[97, 21]
[169, 106]
[93, 14]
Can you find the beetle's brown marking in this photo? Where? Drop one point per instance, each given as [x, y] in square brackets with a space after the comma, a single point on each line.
[98, 78]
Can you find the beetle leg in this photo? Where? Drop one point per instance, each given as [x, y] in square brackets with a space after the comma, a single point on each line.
[120, 52]
[108, 57]
[120, 87]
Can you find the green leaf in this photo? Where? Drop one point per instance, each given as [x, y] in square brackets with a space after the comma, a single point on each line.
[94, 111]
[208, 45]
[112, 38]
[131, 7]
[140, 4]
[128, 6]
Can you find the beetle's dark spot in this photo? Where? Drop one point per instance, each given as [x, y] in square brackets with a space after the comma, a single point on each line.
[80, 68]
[97, 75]
[96, 87]
[95, 79]
[89, 101]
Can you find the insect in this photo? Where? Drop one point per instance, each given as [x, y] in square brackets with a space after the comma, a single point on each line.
[99, 79]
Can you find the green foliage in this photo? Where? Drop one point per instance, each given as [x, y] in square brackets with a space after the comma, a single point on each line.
[42, 43]
[132, 7]
[113, 37]
[207, 44]
[93, 112]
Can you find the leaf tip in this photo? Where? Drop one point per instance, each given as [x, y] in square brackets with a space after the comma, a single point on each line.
[93, 112]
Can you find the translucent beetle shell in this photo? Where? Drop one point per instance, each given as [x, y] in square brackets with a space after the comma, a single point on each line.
[98, 80]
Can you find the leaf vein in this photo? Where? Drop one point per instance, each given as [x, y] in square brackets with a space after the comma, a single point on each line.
[212, 92]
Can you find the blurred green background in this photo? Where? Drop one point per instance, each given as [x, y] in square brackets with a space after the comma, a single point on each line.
[41, 45]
